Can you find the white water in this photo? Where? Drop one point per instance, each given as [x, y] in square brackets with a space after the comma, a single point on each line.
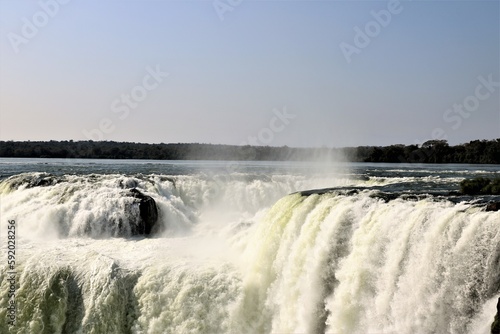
[85, 205]
[232, 257]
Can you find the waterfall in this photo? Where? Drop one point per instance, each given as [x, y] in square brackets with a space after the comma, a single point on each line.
[327, 262]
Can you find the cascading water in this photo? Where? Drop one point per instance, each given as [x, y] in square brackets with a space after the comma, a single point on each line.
[358, 265]
[239, 255]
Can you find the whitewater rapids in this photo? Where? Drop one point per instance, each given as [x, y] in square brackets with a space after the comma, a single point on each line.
[227, 260]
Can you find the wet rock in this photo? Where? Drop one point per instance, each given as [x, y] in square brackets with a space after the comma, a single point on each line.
[44, 182]
[127, 183]
[386, 197]
[316, 191]
[342, 191]
[455, 193]
[493, 206]
[495, 326]
[31, 180]
[148, 213]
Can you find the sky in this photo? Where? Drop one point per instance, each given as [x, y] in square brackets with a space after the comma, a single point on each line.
[301, 73]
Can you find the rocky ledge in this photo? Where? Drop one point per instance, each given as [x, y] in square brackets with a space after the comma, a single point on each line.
[148, 212]
[495, 326]
[488, 202]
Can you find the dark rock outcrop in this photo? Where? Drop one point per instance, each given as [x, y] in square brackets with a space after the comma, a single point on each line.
[489, 202]
[495, 326]
[31, 180]
[493, 206]
[148, 213]
[317, 191]
[43, 182]
[127, 184]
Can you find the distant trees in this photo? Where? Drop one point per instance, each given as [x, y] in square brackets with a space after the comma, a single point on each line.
[432, 151]
[435, 143]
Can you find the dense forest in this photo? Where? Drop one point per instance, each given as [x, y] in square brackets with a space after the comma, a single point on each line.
[432, 151]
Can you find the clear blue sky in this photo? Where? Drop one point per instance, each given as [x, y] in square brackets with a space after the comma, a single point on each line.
[228, 71]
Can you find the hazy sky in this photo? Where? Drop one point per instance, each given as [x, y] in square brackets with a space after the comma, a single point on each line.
[297, 73]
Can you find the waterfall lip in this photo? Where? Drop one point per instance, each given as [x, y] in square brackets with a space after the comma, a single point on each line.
[31, 180]
[385, 194]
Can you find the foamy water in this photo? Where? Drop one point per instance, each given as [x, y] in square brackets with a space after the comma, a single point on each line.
[242, 254]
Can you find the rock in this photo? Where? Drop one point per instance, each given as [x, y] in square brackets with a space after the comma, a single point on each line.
[148, 213]
[343, 191]
[31, 180]
[43, 182]
[493, 206]
[360, 177]
[316, 191]
[128, 184]
[495, 326]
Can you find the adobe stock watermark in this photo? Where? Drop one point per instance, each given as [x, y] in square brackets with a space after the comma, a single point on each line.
[122, 105]
[455, 115]
[471, 103]
[265, 136]
[277, 124]
[31, 27]
[221, 7]
[373, 28]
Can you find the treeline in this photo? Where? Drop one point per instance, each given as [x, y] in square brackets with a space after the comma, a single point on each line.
[432, 151]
